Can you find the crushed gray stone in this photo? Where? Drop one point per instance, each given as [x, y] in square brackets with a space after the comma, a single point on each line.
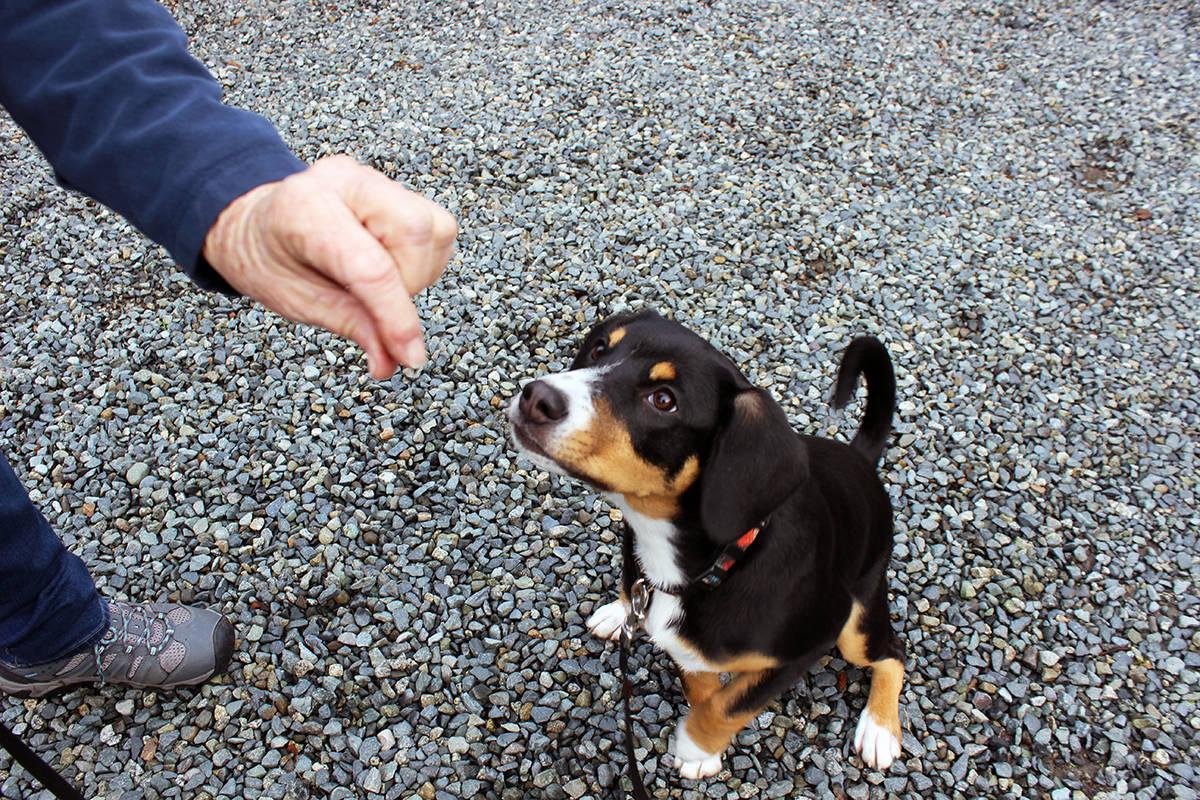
[1007, 194]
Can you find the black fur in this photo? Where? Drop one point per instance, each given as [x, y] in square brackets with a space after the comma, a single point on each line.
[755, 458]
[867, 356]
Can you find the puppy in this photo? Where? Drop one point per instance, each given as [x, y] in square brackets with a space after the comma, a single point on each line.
[760, 548]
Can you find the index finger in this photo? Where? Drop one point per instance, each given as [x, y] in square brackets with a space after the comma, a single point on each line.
[348, 254]
[374, 277]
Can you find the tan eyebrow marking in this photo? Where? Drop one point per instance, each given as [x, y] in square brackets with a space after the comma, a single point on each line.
[662, 371]
[615, 337]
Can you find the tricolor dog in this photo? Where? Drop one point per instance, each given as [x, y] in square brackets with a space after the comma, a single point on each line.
[761, 548]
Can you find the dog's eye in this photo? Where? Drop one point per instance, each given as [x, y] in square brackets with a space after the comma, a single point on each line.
[663, 400]
[596, 352]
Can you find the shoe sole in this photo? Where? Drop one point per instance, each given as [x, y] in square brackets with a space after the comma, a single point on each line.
[24, 690]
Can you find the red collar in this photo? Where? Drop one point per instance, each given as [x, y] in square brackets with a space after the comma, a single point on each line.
[748, 537]
[728, 556]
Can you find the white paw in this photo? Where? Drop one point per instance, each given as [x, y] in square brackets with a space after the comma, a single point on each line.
[877, 745]
[606, 621]
[691, 761]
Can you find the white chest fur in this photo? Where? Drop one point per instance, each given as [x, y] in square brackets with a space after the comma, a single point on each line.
[654, 546]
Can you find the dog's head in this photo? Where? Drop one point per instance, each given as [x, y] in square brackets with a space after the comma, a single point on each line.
[652, 412]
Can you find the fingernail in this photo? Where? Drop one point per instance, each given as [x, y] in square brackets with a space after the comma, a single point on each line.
[380, 369]
[414, 353]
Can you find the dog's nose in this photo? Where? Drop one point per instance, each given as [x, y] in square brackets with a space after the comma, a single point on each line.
[542, 403]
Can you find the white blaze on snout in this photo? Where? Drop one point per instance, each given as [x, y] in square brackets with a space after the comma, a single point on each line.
[578, 388]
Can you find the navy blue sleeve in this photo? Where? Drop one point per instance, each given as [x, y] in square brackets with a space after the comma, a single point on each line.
[108, 92]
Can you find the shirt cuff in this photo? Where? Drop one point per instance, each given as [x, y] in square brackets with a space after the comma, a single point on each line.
[220, 187]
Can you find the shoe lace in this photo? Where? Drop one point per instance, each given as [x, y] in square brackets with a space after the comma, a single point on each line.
[132, 637]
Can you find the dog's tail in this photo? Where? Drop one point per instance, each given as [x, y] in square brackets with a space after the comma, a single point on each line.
[867, 356]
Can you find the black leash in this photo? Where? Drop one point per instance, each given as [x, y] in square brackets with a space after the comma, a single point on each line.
[40, 770]
[639, 599]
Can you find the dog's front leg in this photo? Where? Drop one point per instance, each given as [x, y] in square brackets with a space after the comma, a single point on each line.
[717, 714]
[606, 621]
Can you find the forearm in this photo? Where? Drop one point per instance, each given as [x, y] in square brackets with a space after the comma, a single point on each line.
[108, 91]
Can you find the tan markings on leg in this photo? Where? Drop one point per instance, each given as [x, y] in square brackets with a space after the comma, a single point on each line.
[699, 687]
[887, 678]
[852, 642]
[615, 337]
[711, 725]
[887, 675]
[662, 371]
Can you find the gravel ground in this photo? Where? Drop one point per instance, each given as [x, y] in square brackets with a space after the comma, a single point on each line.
[1007, 194]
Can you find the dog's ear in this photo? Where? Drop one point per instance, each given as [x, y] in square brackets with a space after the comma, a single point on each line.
[756, 461]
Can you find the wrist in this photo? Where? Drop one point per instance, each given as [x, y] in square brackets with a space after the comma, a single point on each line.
[227, 245]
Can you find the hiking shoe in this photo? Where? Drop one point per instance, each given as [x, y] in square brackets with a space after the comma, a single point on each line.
[153, 645]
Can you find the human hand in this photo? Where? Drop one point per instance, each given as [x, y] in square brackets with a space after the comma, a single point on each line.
[342, 246]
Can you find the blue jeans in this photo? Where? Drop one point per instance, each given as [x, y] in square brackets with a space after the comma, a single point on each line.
[49, 606]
